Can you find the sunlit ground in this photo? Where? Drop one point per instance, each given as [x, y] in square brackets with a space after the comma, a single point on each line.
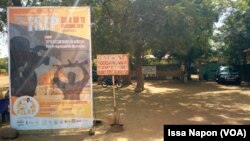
[172, 102]
[4, 81]
[163, 102]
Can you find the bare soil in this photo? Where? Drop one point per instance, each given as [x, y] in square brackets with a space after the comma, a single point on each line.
[162, 102]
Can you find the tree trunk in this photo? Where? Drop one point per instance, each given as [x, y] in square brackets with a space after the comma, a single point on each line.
[182, 71]
[188, 70]
[130, 73]
[138, 65]
[127, 78]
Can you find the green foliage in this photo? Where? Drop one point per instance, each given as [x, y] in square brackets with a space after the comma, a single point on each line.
[179, 27]
[4, 64]
[189, 29]
[110, 27]
[235, 34]
[154, 62]
[3, 14]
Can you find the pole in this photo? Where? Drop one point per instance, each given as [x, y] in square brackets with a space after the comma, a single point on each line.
[114, 98]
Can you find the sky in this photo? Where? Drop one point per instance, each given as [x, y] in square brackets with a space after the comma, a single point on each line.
[221, 20]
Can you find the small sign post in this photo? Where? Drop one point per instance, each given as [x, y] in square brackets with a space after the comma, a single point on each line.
[113, 64]
[116, 117]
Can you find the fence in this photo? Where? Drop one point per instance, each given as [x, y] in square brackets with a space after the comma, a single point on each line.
[171, 71]
[245, 72]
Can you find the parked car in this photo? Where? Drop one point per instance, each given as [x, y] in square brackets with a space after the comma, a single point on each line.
[228, 74]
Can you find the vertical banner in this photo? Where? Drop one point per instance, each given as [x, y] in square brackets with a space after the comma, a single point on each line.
[50, 67]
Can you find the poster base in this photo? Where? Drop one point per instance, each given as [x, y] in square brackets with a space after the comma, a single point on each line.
[92, 131]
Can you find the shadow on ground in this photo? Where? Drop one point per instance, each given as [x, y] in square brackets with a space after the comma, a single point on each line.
[172, 102]
[162, 102]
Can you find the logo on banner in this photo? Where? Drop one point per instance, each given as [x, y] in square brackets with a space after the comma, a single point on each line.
[26, 106]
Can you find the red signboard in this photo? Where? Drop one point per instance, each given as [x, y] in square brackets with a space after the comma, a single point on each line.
[112, 64]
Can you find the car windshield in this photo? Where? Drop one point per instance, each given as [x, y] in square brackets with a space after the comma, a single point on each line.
[228, 69]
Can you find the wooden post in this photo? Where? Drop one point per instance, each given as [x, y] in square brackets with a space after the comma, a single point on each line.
[116, 121]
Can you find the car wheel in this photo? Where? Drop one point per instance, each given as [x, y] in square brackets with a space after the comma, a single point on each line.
[219, 81]
[104, 85]
[118, 84]
[238, 82]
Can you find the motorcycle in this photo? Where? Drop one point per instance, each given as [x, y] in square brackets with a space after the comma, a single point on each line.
[108, 81]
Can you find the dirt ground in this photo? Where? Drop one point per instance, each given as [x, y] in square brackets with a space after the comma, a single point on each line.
[163, 102]
[4, 82]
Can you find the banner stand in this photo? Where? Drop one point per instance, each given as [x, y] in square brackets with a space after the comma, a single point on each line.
[92, 131]
[96, 122]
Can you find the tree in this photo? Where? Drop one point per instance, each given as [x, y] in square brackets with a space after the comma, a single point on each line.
[145, 19]
[234, 36]
[188, 30]
[124, 26]
[3, 14]
[4, 64]
[182, 28]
